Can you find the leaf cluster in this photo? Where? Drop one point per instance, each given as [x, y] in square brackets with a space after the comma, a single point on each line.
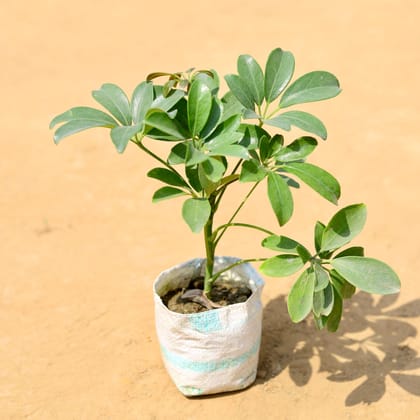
[218, 140]
[331, 274]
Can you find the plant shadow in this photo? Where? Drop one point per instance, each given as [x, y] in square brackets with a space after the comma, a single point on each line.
[370, 343]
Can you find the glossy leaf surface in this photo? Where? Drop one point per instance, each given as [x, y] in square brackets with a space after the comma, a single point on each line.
[299, 300]
[141, 101]
[322, 278]
[311, 87]
[318, 232]
[297, 150]
[250, 72]
[280, 198]
[113, 98]
[318, 179]
[281, 244]
[167, 176]
[230, 150]
[166, 193]
[281, 265]
[368, 274]
[166, 125]
[238, 87]
[165, 103]
[121, 136]
[334, 318]
[278, 72]
[252, 172]
[78, 119]
[196, 212]
[343, 227]
[300, 119]
[199, 106]
[345, 289]
[323, 301]
[213, 169]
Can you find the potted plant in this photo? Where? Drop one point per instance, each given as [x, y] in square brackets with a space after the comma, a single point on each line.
[208, 310]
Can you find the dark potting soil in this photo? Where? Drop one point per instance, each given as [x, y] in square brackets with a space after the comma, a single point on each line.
[223, 294]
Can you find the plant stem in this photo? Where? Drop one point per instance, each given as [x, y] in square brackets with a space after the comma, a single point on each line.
[210, 248]
[274, 112]
[229, 267]
[223, 189]
[236, 212]
[243, 225]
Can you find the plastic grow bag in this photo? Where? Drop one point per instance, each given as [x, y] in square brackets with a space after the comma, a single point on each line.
[213, 351]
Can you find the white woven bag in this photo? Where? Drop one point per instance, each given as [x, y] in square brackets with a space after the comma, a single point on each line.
[214, 351]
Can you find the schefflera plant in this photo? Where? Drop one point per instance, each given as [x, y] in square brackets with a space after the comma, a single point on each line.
[217, 141]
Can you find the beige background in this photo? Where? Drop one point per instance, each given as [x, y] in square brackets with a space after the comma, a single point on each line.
[80, 240]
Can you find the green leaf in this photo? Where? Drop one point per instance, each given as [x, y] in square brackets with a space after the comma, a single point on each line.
[196, 212]
[165, 103]
[84, 113]
[299, 301]
[230, 150]
[276, 144]
[343, 227]
[341, 285]
[368, 274]
[141, 101]
[322, 278]
[78, 119]
[178, 154]
[113, 98]
[335, 316]
[323, 301]
[319, 230]
[238, 87]
[318, 179]
[278, 72]
[226, 128]
[264, 146]
[231, 106]
[199, 106]
[180, 114]
[194, 156]
[300, 119]
[250, 72]
[213, 169]
[311, 87]
[281, 265]
[297, 150]
[252, 172]
[212, 81]
[320, 321]
[248, 114]
[224, 139]
[214, 118]
[166, 125]
[304, 253]
[280, 198]
[121, 136]
[167, 176]
[192, 173]
[354, 251]
[165, 193]
[281, 244]
[251, 135]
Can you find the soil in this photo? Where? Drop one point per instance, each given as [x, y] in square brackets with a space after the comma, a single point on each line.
[81, 241]
[223, 293]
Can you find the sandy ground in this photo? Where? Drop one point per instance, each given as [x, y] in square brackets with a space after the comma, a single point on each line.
[81, 242]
